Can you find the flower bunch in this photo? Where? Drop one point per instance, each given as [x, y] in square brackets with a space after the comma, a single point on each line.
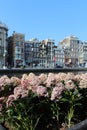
[4, 82]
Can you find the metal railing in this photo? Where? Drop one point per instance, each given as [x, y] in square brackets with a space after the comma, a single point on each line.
[19, 71]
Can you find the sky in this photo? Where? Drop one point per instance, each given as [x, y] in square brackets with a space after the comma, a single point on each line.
[43, 19]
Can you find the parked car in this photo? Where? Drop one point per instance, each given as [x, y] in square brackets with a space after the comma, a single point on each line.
[58, 66]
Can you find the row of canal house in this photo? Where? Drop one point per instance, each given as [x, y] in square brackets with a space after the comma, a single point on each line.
[32, 53]
[15, 51]
[70, 52]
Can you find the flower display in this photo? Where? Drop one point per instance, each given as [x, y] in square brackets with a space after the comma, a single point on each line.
[61, 95]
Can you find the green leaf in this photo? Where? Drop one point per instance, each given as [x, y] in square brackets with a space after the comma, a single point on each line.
[36, 123]
[64, 100]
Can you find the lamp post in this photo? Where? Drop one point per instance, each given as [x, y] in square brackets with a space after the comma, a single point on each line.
[51, 54]
[4, 55]
[32, 49]
[64, 53]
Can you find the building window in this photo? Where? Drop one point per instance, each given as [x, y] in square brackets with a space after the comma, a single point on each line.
[18, 56]
[18, 44]
[18, 49]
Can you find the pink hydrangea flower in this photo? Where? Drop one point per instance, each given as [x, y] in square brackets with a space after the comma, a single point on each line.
[16, 81]
[34, 88]
[83, 81]
[57, 92]
[33, 79]
[4, 81]
[70, 76]
[10, 100]
[24, 83]
[69, 84]
[51, 80]
[60, 77]
[42, 91]
[78, 77]
[20, 92]
[2, 99]
[42, 78]
[30, 80]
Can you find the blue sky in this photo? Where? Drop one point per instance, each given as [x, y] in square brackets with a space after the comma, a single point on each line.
[42, 19]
